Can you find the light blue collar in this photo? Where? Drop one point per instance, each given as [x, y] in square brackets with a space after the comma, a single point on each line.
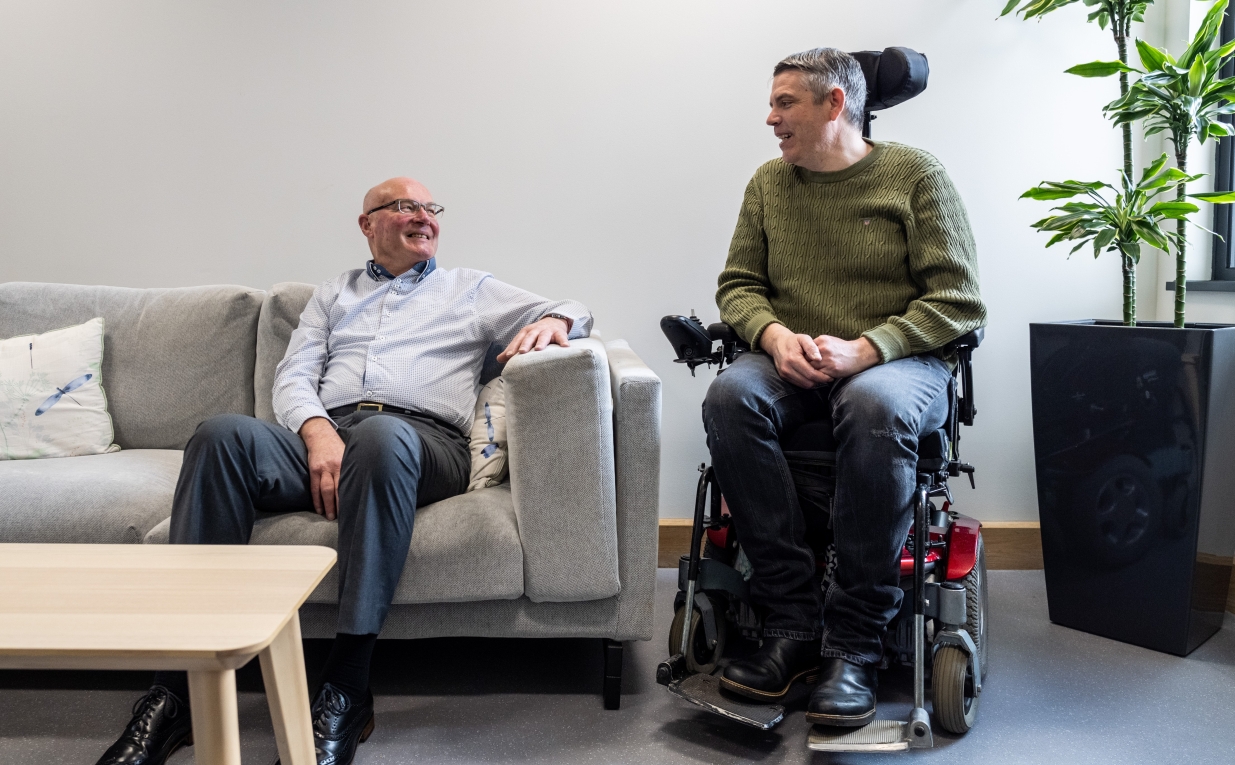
[421, 270]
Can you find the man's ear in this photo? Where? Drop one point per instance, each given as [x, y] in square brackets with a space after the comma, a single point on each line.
[365, 226]
[837, 104]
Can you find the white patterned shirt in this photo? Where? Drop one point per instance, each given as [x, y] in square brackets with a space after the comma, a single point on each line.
[416, 341]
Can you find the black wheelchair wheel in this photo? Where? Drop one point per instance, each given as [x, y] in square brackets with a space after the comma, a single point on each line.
[975, 604]
[952, 690]
[699, 658]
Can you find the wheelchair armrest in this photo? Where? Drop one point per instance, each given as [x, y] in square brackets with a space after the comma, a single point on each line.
[963, 348]
[727, 335]
[969, 341]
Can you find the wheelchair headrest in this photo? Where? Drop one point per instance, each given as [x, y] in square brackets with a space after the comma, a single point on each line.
[893, 76]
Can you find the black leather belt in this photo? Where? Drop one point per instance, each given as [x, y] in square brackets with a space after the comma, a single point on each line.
[372, 406]
[369, 406]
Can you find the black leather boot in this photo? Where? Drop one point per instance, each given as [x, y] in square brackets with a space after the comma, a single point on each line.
[161, 724]
[845, 696]
[769, 672]
[340, 725]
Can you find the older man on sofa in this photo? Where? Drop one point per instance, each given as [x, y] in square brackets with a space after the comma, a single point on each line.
[373, 399]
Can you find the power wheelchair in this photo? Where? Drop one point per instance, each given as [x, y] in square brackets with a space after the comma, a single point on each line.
[943, 571]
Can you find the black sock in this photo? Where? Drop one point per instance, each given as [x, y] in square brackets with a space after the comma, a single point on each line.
[347, 667]
[175, 681]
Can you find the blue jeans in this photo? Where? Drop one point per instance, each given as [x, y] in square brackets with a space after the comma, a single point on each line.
[877, 418]
[235, 466]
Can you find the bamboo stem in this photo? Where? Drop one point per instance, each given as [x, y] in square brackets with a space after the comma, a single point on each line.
[1120, 29]
[1181, 246]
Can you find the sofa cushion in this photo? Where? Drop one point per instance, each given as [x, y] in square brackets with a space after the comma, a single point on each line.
[488, 440]
[96, 498]
[279, 318]
[171, 357]
[465, 548]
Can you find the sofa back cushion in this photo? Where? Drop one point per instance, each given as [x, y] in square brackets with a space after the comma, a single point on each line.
[171, 357]
[280, 317]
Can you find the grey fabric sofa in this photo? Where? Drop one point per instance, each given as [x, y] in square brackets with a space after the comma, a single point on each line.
[565, 548]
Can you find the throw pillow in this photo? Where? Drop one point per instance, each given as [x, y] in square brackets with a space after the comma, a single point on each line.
[489, 436]
[51, 394]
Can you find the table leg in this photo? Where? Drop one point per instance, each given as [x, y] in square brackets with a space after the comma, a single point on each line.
[216, 730]
[287, 693]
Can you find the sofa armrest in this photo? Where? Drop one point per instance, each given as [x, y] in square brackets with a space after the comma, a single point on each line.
[559, 424]
[636, 438]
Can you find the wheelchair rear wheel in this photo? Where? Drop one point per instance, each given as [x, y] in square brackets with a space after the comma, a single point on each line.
[699, 658]
[975, 603]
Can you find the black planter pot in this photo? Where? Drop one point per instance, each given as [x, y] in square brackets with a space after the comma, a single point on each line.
[1134, 439]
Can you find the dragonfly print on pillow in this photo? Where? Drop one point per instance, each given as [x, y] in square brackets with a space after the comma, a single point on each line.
[54, 398]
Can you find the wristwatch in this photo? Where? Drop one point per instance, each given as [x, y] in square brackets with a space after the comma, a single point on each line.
[569, 321]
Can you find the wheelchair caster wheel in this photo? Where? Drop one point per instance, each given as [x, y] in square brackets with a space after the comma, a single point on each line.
[952, 690]
[699, 658]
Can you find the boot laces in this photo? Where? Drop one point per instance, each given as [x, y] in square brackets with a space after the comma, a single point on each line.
[145, 709]
[331, 701]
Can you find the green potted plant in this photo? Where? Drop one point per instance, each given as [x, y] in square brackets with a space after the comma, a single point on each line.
[1133, 421]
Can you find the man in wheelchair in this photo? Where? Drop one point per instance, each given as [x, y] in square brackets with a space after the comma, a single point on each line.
[851, 268]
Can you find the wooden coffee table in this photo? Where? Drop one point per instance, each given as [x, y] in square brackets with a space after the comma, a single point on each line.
[207, 609]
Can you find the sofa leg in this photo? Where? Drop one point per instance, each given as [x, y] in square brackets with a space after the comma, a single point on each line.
[612, 691]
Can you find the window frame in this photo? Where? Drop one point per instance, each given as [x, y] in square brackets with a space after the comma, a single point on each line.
[1224, 180]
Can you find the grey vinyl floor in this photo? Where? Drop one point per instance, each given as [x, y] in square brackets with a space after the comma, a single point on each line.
[1053, 696]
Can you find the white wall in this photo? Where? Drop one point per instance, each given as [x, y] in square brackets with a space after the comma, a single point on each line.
[591, 150]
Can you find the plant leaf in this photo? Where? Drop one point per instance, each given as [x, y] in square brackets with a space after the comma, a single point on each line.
[1215, 197]
[1155, 168]
[1151, 57]
[1100, 69]
[1196, 77]
[1206, 33]
[1173, 210]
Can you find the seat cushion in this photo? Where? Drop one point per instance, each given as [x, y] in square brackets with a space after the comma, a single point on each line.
[97, 498]
[171, 357]
[465, 548]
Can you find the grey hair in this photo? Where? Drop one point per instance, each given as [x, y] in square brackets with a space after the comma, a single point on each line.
[828, 68]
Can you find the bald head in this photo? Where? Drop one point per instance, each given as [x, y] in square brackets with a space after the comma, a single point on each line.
[398, 240]
[395, 188]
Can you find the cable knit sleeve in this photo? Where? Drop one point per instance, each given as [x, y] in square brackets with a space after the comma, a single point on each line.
[742, 289]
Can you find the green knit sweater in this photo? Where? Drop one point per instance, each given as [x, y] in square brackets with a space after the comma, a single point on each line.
[881, 249]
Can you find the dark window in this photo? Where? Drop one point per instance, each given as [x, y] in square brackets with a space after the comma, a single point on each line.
[1224, 177]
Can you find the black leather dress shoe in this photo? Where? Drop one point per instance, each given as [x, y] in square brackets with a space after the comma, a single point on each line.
[340, 725]
[161, 724]
[845, 696]
[768, 673]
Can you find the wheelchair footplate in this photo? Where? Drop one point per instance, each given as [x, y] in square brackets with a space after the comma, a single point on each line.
[704, 691]
[878, 736]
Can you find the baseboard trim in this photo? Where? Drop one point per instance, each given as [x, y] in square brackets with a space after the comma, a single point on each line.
[1010, 545]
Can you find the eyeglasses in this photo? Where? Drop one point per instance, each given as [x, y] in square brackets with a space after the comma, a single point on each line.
[410, 207]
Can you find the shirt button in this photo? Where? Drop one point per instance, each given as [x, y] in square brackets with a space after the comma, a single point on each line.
[368, 393]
